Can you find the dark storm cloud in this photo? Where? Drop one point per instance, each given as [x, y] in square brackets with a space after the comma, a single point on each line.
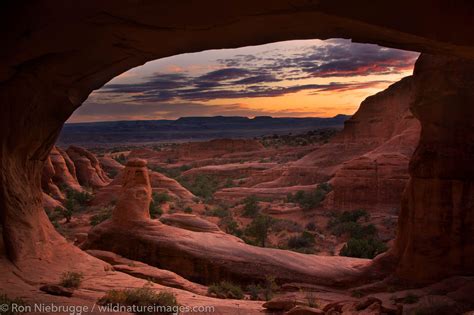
[250, 76]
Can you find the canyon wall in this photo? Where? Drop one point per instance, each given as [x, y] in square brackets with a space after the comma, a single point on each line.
[376, 179]
[435, 235]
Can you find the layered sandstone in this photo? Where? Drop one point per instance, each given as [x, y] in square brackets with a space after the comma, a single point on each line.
[199, 251]
[88, 169]
[376, 179]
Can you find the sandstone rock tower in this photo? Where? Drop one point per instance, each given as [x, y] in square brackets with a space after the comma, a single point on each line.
[135, 196]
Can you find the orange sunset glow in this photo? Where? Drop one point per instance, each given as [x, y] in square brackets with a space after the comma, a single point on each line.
[303, 78]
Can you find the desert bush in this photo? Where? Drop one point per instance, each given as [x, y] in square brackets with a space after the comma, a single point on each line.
[251, 208]
[144, 296]
[155, 210]
[311, 299]
[226, 290]
[270, 286]
[312, 199]
[258, 229]
[363, 248]
[202, 185]
[220, 211]
[76, 200]
[303, 243]
[102, 215]
[410, 298]
[347, 222]
[311, 226]
[230, 226]
[188, 210]
[160, 197]
[121, 158]
[286, 225]
[348, 216]
[254, 291]
[71, 279]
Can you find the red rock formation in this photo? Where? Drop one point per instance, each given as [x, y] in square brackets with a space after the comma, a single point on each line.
[159, 184]
[435, 235]
[64, 170]
[163, 184]
[88, 169]
[376, 179]
[201, 252]
[367, 163]
[135, 195]
[110, 166]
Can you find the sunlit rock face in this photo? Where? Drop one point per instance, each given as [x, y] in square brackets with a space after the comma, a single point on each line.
[436, 226]
[376, 179]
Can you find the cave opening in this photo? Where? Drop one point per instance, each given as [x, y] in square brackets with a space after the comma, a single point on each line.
[187, 116]
[95, 44]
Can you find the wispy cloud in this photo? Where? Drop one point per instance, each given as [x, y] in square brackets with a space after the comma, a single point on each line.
[337, 66]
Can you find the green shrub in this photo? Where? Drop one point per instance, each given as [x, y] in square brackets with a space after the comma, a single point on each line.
[311, 226]
[270, 286]
[120, 158]
[310, 200]
[104, 214]
[347, 222]
[410, 298]
[303, 243]
[226, 290]
[188, 210]
[311, 299]
[221, 211]
[286, 225]
[254, 291]
[258, 229]
[363, 248]
[71, 279]
[251, 208]
[160, 198]
[230, 226]
[168, 172]
[202, 185]
[155, 210]
[144, 296]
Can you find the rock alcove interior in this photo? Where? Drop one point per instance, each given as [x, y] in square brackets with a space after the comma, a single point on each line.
[57, 54]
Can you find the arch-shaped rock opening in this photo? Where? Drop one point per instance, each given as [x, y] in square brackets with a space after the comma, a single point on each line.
[56, 55]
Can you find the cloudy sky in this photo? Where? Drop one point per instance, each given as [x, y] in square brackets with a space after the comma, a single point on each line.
[287, 79]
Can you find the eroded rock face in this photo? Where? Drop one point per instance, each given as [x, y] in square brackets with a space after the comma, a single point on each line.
[436, 225]
[135, 196]
[88, 169]
[376, 179]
